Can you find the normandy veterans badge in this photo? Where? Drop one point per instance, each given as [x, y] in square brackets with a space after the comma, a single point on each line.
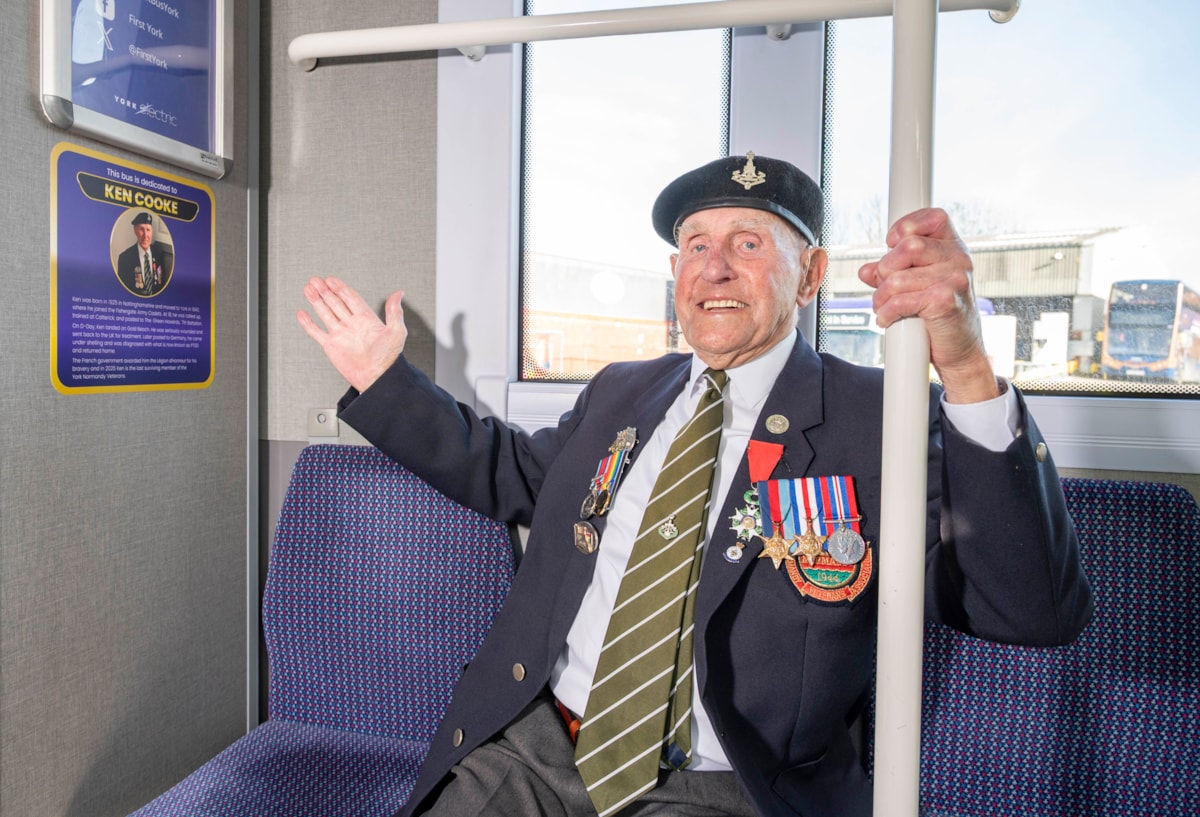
[829, 560]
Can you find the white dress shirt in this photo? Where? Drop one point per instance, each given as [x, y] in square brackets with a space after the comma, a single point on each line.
[571, 680]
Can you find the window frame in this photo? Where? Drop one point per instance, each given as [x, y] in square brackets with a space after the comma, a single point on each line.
[477, 287]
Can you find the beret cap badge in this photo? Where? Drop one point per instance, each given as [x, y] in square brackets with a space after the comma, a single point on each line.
[757, 182]
[749, 176]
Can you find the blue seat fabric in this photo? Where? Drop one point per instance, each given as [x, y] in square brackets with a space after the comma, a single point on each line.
[1108, 726]
[379, 591]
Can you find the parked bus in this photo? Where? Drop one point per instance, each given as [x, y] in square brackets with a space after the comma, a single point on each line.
[1152, 331]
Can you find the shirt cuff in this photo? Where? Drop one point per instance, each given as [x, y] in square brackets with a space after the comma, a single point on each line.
[991, 423]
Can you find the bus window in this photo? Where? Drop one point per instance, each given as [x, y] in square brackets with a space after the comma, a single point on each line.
[605, 128]
[1059, 202]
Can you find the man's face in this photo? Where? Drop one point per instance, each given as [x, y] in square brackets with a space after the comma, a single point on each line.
[739, 274]
[145, 234]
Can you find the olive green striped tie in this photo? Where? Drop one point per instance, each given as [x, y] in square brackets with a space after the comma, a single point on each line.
[639, 709]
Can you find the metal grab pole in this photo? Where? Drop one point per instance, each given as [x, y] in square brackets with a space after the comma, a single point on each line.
[905, 436]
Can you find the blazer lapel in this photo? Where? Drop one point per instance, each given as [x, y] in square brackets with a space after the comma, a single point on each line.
[797, 398]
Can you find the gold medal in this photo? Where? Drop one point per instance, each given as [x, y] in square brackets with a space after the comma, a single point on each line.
[775, 548]
[809, 544]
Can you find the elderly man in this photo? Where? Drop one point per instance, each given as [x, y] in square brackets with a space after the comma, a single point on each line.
[691, 629]
[145, 268]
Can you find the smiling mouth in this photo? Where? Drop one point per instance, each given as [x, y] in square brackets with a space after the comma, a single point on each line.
[723, 304]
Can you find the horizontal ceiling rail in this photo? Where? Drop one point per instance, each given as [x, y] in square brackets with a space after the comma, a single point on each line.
[472, 36]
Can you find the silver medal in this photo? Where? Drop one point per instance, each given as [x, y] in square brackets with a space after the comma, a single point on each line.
[846, 546]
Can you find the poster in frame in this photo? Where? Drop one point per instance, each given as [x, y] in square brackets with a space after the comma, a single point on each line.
[152, 76]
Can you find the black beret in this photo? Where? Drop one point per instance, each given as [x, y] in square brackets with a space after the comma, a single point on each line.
[767, 184]
[143, 218]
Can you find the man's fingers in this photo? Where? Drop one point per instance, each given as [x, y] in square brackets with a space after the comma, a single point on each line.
[931, 222]
[393, 310]
[348, 297]
[315, 332]
[326, 301]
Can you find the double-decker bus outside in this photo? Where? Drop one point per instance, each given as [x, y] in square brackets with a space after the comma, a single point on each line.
[1152, 332]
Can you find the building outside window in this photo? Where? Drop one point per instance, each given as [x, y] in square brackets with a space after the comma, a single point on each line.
[1064, 148]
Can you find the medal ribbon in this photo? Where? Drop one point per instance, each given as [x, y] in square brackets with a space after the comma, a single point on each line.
[847, 502]
[608, 470]
[817, 503]
[780, 500]
[763, 457]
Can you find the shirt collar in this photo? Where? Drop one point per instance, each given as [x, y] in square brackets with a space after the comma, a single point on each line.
[750, 383]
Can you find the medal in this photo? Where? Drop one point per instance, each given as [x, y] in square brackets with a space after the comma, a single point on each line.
[845, 543]
[846, 546]
[608, 475]
[586, 538]
[775, 548]
[733, 553]
[602, 499]
[746, 523]
[833, 563]
[779, 500]
[810, 545]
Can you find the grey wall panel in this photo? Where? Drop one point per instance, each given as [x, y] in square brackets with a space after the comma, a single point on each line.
[122, 516]
[349, 175]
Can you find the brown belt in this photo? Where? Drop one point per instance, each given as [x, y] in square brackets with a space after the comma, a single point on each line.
[573, 723]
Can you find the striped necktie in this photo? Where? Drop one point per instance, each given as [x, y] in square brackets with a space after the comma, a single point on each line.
[639, 709]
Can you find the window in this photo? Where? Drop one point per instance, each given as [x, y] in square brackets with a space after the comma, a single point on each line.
[1064, 149]
[609, 121]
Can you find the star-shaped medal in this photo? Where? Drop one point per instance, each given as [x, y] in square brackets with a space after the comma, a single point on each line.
[775, 548]
[810, 544]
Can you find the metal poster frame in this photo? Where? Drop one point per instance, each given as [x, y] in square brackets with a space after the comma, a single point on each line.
[137, 38]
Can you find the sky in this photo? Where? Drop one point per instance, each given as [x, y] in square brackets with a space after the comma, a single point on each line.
[1073, 116]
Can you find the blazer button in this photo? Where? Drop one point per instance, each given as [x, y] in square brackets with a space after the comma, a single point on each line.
[1041, 452]
[519, 671]
[457, 738]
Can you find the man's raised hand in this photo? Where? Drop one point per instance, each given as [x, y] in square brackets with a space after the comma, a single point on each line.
[358, 344]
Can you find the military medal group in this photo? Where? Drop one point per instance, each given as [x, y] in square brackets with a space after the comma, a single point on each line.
[814, 521]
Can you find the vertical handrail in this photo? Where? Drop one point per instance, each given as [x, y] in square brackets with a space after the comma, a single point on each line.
[905, 436]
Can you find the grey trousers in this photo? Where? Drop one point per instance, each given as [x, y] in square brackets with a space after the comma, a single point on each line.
[530, 770]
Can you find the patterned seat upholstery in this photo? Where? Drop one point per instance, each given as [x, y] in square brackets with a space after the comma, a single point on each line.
[1106, 727]
[379, 591]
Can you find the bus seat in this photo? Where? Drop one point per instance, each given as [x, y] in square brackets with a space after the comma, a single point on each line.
[1105, 726]
[379, 590]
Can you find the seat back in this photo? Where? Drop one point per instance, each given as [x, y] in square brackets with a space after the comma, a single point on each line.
[1108, 725]
[379, 590]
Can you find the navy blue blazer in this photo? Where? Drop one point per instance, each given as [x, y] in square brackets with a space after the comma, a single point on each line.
[782, 676]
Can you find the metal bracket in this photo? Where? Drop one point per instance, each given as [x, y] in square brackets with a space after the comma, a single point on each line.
[779, 31]
[473, 52]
